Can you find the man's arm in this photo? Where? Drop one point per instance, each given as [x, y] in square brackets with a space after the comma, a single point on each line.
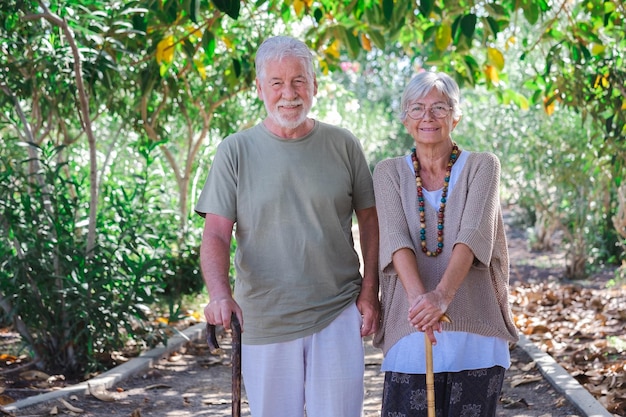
[215, 265]
[368, 302]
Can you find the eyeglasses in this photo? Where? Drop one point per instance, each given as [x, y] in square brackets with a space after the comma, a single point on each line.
[418, 111]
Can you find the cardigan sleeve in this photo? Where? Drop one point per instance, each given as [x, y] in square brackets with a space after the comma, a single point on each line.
[393, 228]
[480, 217]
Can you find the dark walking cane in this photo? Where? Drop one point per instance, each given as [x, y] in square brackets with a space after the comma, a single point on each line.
[235, 359]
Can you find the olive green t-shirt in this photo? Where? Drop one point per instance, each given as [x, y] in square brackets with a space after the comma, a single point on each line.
[292, 202]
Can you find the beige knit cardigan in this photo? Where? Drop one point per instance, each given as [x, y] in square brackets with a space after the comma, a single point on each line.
[473, 216]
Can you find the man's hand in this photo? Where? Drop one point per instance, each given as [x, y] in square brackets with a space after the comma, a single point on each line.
[369, 306]
[219, 312]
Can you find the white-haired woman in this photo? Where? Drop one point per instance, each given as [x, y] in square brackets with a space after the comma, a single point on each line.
[443, 251]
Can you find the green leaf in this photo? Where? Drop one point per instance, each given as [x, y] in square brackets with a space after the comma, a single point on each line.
[237, 67]
[208, 42]
[496, 10]
[388, 9]
[472, 68]
[468, 25]
[354, 45]
[230, 7]
[194, 10]
[11, 21]
[426, 7]
[531, 12]
[493, 25]
[377, 38]
[171, 9]
[189, 49]
[318, 14]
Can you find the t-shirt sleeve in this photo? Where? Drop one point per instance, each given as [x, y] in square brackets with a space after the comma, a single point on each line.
[363, 193]
[219, 194]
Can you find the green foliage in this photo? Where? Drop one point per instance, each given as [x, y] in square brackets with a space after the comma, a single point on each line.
[555, 169]
[74, 309]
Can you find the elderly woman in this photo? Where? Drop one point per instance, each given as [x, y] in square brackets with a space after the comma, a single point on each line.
[443, 250]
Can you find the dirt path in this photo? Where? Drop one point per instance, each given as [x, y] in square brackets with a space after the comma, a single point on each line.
[192, 382]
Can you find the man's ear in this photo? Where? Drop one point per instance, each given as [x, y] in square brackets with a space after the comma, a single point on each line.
[259, 91]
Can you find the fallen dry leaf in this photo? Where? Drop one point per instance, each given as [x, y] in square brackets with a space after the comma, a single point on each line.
[581, 326]
[101, 393]
[527, 367]
[510, 403]
[34, 375]
[5, 399]
[6, 413]
[157, 386]
[71, 407]
[524, 379]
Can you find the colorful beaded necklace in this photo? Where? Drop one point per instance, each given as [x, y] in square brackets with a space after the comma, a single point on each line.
[442, 206]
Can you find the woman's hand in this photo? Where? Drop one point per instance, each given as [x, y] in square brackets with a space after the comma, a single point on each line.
[426, 312]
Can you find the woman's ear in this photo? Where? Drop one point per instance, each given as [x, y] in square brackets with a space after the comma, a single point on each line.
[456, 122]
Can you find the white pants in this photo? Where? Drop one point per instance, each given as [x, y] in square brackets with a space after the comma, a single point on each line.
[322, 373]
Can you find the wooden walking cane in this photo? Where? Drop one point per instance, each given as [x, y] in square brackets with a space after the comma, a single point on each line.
[235, 359]
[430, 375]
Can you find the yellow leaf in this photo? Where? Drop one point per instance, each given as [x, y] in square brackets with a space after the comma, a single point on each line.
[165, 50]
[510, 42]
[367, 45]
[523, 102]
[495, 57]
[601, 80]
[201, 68]
[333, 50]
[324, 67]
[443, 37]
[549, 108]
[492, 74]
[5, 357]
[597, 49]
[298, 6]
[195, 32]
[623, 104]
[228, 43]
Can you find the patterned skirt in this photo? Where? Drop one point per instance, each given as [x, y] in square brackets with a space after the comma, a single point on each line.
[473, 393]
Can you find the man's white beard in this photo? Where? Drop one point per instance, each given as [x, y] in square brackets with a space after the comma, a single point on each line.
[288, 123]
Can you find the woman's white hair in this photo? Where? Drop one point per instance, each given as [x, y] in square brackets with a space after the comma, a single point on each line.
[423, 83]
[278, 47]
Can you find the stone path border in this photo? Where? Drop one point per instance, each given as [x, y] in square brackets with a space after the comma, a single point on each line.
[119, 373]
[563, 382]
